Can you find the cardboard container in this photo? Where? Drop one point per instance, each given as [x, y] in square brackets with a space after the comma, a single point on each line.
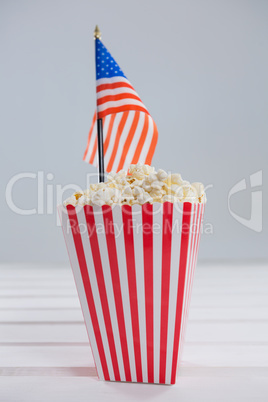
[133, 268]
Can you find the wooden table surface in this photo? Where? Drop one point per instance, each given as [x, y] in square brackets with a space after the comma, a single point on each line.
[45, 354]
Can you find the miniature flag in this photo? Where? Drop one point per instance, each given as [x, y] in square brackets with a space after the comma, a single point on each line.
[129, 132]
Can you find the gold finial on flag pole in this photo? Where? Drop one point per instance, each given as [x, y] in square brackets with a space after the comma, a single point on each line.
[97, 33]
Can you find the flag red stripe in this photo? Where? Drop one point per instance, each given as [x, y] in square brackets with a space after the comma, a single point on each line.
[129, 140]
[111, 98]
[142, 139]
[87, 287]
[150, 154]
[147, 219]
[112, 253]
[186, 220]
[116, 142]
[94, 150]
[93, 238]
[132, 285]
[119, 109]
[103, 87]
[165, 284]
[90, 134]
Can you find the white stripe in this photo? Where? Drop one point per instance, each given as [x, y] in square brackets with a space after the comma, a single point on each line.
[116, 91]
[138, 248]
[95, 289]
[148, 141]
[173, 291]
[186, 283]
[157, 279]
[111, 80]
[187, 277]
[109, 286]
[110, 148]
[121, 256]
[91, 144]
[192, 268]
[118, 103]
[122, 140]
[135, 140]
[80, 287]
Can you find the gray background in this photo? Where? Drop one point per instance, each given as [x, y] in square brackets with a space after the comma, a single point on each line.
[199, 66]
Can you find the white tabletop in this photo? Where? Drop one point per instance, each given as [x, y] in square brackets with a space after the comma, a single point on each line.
[45, 354]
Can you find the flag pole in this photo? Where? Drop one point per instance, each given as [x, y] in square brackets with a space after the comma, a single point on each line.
[97, 35]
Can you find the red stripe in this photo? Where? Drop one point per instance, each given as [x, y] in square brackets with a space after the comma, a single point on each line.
[186, 220]
[151, 150]
[165, 284]
[94, 150]
[147, 227]
[112, 253]
[142, 139]
[87, 287]
[103, 87]
[89, 215]
[132, 285]
[116, 97]
[119, 109]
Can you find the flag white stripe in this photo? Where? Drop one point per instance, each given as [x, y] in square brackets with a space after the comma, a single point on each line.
[148, 140]
[135, 140]
[138, 249]
[157, 279]
[121, 256]
[116, 91]
[80, 287]
[122, 102]
[94, 286]
[111, 80]
[110, 148]
[109, 287]
[123, 139]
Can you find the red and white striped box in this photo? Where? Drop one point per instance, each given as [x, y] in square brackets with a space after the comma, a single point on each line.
[133, 267]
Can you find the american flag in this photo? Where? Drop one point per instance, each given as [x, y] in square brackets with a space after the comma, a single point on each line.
[129, 132]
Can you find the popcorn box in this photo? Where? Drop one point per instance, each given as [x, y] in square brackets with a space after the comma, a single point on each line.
[133, 267]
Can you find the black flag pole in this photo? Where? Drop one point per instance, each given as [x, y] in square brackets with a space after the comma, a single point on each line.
[97, 35]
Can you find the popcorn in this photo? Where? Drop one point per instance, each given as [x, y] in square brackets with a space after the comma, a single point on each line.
[161, 175]
[84, 200]
[142, 185]
[71, 201]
